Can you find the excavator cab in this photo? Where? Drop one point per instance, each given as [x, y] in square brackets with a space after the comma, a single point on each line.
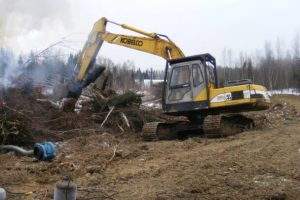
[185, 80]
[191, 89]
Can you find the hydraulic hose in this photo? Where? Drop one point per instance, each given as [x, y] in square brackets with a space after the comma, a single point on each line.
[17, 149]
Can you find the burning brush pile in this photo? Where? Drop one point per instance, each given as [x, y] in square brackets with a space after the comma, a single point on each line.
[28, 117]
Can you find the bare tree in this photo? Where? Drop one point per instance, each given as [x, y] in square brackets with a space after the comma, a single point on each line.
[296, 47]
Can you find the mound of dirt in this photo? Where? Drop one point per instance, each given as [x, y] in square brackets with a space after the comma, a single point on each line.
[279, 114]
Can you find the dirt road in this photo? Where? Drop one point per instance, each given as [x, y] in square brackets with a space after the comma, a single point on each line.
[260, 164]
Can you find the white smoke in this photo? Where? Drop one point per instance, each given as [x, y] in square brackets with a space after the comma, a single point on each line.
[22, 16]
[21, 20]
[8, 66]
[32, 20]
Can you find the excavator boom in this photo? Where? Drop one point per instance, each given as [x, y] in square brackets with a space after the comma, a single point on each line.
[153, 44]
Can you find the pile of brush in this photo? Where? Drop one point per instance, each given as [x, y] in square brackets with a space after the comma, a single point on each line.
[117, 111]
[14, 127]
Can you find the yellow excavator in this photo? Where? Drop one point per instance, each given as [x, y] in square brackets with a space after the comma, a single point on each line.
[190, 86]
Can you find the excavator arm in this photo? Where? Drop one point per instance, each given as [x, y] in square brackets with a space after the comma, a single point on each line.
[153, 43]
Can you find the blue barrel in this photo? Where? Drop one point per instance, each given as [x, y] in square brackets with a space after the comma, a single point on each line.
[44, 151]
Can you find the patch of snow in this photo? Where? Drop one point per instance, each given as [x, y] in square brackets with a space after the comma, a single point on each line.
[152, 104]
[47, 91]
[269, 179]
[146, 95]
[149, 100]
[147, 82]
[291, 91]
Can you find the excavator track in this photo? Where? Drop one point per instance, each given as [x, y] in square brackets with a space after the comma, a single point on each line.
[149, 132]
[212, 126]
[168, 130]
[225, 125]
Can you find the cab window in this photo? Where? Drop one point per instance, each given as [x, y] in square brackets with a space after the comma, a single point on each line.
[197, 75]
[180, 76]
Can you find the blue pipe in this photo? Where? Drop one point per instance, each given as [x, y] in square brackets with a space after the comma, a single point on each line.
[44, 151]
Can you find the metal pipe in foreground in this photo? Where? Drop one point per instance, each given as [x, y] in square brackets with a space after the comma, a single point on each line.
[65, 190]
[2, 194]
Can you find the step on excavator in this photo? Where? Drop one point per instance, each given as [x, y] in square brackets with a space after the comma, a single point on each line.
[190, 86]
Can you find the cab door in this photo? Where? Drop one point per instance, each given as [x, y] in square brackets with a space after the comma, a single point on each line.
[186, 82]
[179, 85]
[198, 80]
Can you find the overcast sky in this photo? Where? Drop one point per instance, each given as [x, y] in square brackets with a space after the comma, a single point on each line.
[196, 26]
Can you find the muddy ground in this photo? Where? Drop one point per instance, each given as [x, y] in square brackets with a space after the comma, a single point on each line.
[263, 163]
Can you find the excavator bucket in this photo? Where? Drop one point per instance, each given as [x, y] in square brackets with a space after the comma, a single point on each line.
[73, 88]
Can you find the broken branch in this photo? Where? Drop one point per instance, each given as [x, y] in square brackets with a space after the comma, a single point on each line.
[125, 119]
[112, 108]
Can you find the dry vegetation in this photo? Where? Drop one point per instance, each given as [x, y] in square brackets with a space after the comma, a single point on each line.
[106, 163]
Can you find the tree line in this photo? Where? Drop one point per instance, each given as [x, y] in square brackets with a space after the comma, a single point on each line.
[272, 67]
